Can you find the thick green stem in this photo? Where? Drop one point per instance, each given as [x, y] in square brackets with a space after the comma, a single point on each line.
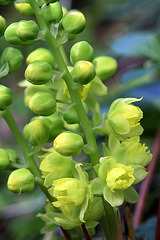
[61, 62]
[111, 220]
[26, 150]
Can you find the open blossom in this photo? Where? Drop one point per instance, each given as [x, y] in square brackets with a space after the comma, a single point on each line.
[124, 118]
[115, 180]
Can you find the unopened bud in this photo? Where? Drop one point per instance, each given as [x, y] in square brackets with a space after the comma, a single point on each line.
[2, 25]
[83, 72]
[27, 30]
[81, 51]
[13, 57]
[53, 12]
[42, 103]
[105, 67]
[36, 132]
[20, 181]
[41, 54]
[12, 155]
[4, 159]
[24, 8]
[5, 97]
[68, 144]
[38, 72]
[74, 22]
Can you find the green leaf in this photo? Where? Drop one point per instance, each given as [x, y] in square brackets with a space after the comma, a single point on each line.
[97, 87]
[105, 150]
[121, 155]
[113, 143]
[130, 195]
[84, 208]
[97, 186]
[114, 198]
[139, 173]
[48, 227]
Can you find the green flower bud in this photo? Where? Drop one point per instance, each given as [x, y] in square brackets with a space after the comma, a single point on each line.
[81, 51]
[12, 155]
[2, 25]
[74, 22]
[83, 72]
[36, 132]
[57, 126]
[41, 54]
[10, 34]
[24, 8]
[31, 90]
[43, 103]
[20, 181]
[124, 118]
[71, 117]
[13, 57]
[27, 30]
[38, 72]
[69, 191]
[53, 12]
[105, 67]
[5, 97]
[55, 166]
[4, 159]
[68, 144]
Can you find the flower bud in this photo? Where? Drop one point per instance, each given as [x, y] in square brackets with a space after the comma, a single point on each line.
[13, 57]
[20, 181]
[53, 12]
[71, 117]
[31, 90]
[83, 72]
[12, 155]
[10, 34]
[74, 22]
[5, 97]
[105, 67]
[68, 144]
[124, 118]
[41, 54]
[42, 103]
[81, 51]
[57, 126]
[2, 25]
[4, 159]
[36, 132]
[38, 72]
[24, 8]
[27, 30]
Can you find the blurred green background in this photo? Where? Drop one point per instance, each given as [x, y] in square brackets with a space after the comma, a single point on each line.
[126, 30]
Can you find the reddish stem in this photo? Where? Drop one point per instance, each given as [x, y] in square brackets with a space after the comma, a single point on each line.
[144, 188]
[158, 222]
[66, 234]
[86, 234]
[128, 222]
[119, 230]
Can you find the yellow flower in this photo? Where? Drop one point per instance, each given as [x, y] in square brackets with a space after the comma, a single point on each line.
[120, 177]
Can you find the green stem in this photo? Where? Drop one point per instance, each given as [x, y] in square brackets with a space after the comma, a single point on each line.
[105, 227]
[26, 150]
[111, 219]
[88, 131]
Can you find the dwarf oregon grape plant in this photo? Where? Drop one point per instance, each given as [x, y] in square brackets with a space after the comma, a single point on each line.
[62, 93]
